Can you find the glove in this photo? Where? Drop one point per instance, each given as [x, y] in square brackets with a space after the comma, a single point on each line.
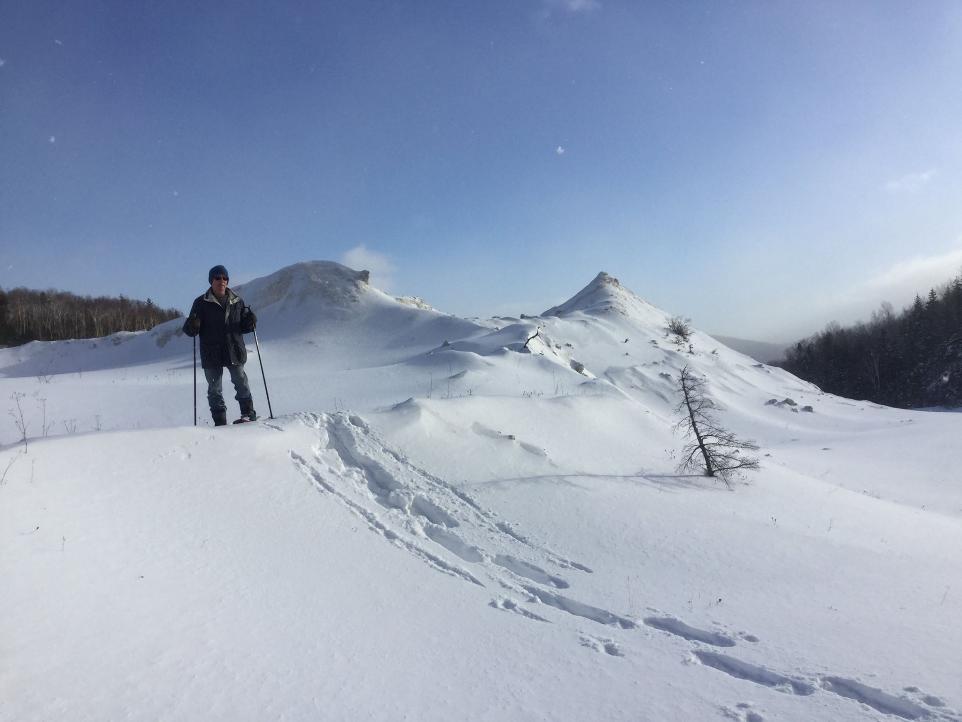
[194, 322]
[249, 320]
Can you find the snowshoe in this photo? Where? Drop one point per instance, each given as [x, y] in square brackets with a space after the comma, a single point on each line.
[247, 410]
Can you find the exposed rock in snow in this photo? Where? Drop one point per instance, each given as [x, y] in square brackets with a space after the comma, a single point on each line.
[415, 301]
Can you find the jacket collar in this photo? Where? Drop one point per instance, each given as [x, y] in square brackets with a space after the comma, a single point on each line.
[231, 297]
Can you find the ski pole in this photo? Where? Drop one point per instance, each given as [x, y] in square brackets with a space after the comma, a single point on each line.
[263, 376]
[195, 381]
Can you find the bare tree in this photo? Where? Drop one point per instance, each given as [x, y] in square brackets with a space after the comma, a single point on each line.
[52, 315]
[716, 450]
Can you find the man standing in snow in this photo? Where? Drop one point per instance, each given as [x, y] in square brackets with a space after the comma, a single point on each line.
[222, 318]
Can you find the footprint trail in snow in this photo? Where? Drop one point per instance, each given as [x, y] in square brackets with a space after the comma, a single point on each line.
[433, 520]
[448, 530]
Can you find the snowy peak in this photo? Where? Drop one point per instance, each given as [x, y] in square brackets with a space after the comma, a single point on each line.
[318, 282]
[603, 295]
[323, 299]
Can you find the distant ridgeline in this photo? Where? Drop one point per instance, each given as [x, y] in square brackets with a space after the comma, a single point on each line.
[908, 360]
[27, 315]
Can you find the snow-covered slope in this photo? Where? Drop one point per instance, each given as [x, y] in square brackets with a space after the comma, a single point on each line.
[462, 519]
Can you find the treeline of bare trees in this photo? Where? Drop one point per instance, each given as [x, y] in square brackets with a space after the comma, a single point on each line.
[52, 315]
[907, 359]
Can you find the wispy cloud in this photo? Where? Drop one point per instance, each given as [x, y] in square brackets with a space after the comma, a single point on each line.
[911, 182]
[361, 258]
[898, 284]
[916, 275]
[572, 7]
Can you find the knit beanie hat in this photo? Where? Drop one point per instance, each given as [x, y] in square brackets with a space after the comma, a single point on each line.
[217, 271]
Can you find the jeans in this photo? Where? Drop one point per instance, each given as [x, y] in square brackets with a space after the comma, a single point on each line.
[215, 390]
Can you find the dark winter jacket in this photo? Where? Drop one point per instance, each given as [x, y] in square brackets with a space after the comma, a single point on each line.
[222, 329]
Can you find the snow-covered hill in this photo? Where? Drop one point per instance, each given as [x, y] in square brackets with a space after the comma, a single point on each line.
[465, 519]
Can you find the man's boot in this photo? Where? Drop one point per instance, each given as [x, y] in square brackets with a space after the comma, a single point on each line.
[247, 409]
[220, 417]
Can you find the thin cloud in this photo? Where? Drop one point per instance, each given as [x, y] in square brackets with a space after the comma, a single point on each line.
[898, 284]
[917, 275]
[572, 7]
[580, 6]
[910, 183]
[361, 258]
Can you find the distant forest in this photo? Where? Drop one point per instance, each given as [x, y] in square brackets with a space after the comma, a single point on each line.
[28, 315]
[909, 359]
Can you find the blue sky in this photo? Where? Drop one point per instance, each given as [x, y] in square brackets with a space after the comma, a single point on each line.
[761, 167]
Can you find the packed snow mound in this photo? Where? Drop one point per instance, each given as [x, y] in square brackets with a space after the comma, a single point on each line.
[320, 283]
[337, 312]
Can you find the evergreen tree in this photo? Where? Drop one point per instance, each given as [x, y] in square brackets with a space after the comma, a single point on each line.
[909, 359]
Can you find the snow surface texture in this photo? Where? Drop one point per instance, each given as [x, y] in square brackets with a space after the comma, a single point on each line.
[465, 519]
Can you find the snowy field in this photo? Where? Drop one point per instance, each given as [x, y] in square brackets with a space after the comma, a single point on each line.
[475, 519]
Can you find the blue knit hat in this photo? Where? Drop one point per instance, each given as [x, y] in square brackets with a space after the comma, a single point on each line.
[216, 271]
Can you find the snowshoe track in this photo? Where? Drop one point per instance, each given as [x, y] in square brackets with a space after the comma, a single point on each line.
[448, 530]
[426, 516]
